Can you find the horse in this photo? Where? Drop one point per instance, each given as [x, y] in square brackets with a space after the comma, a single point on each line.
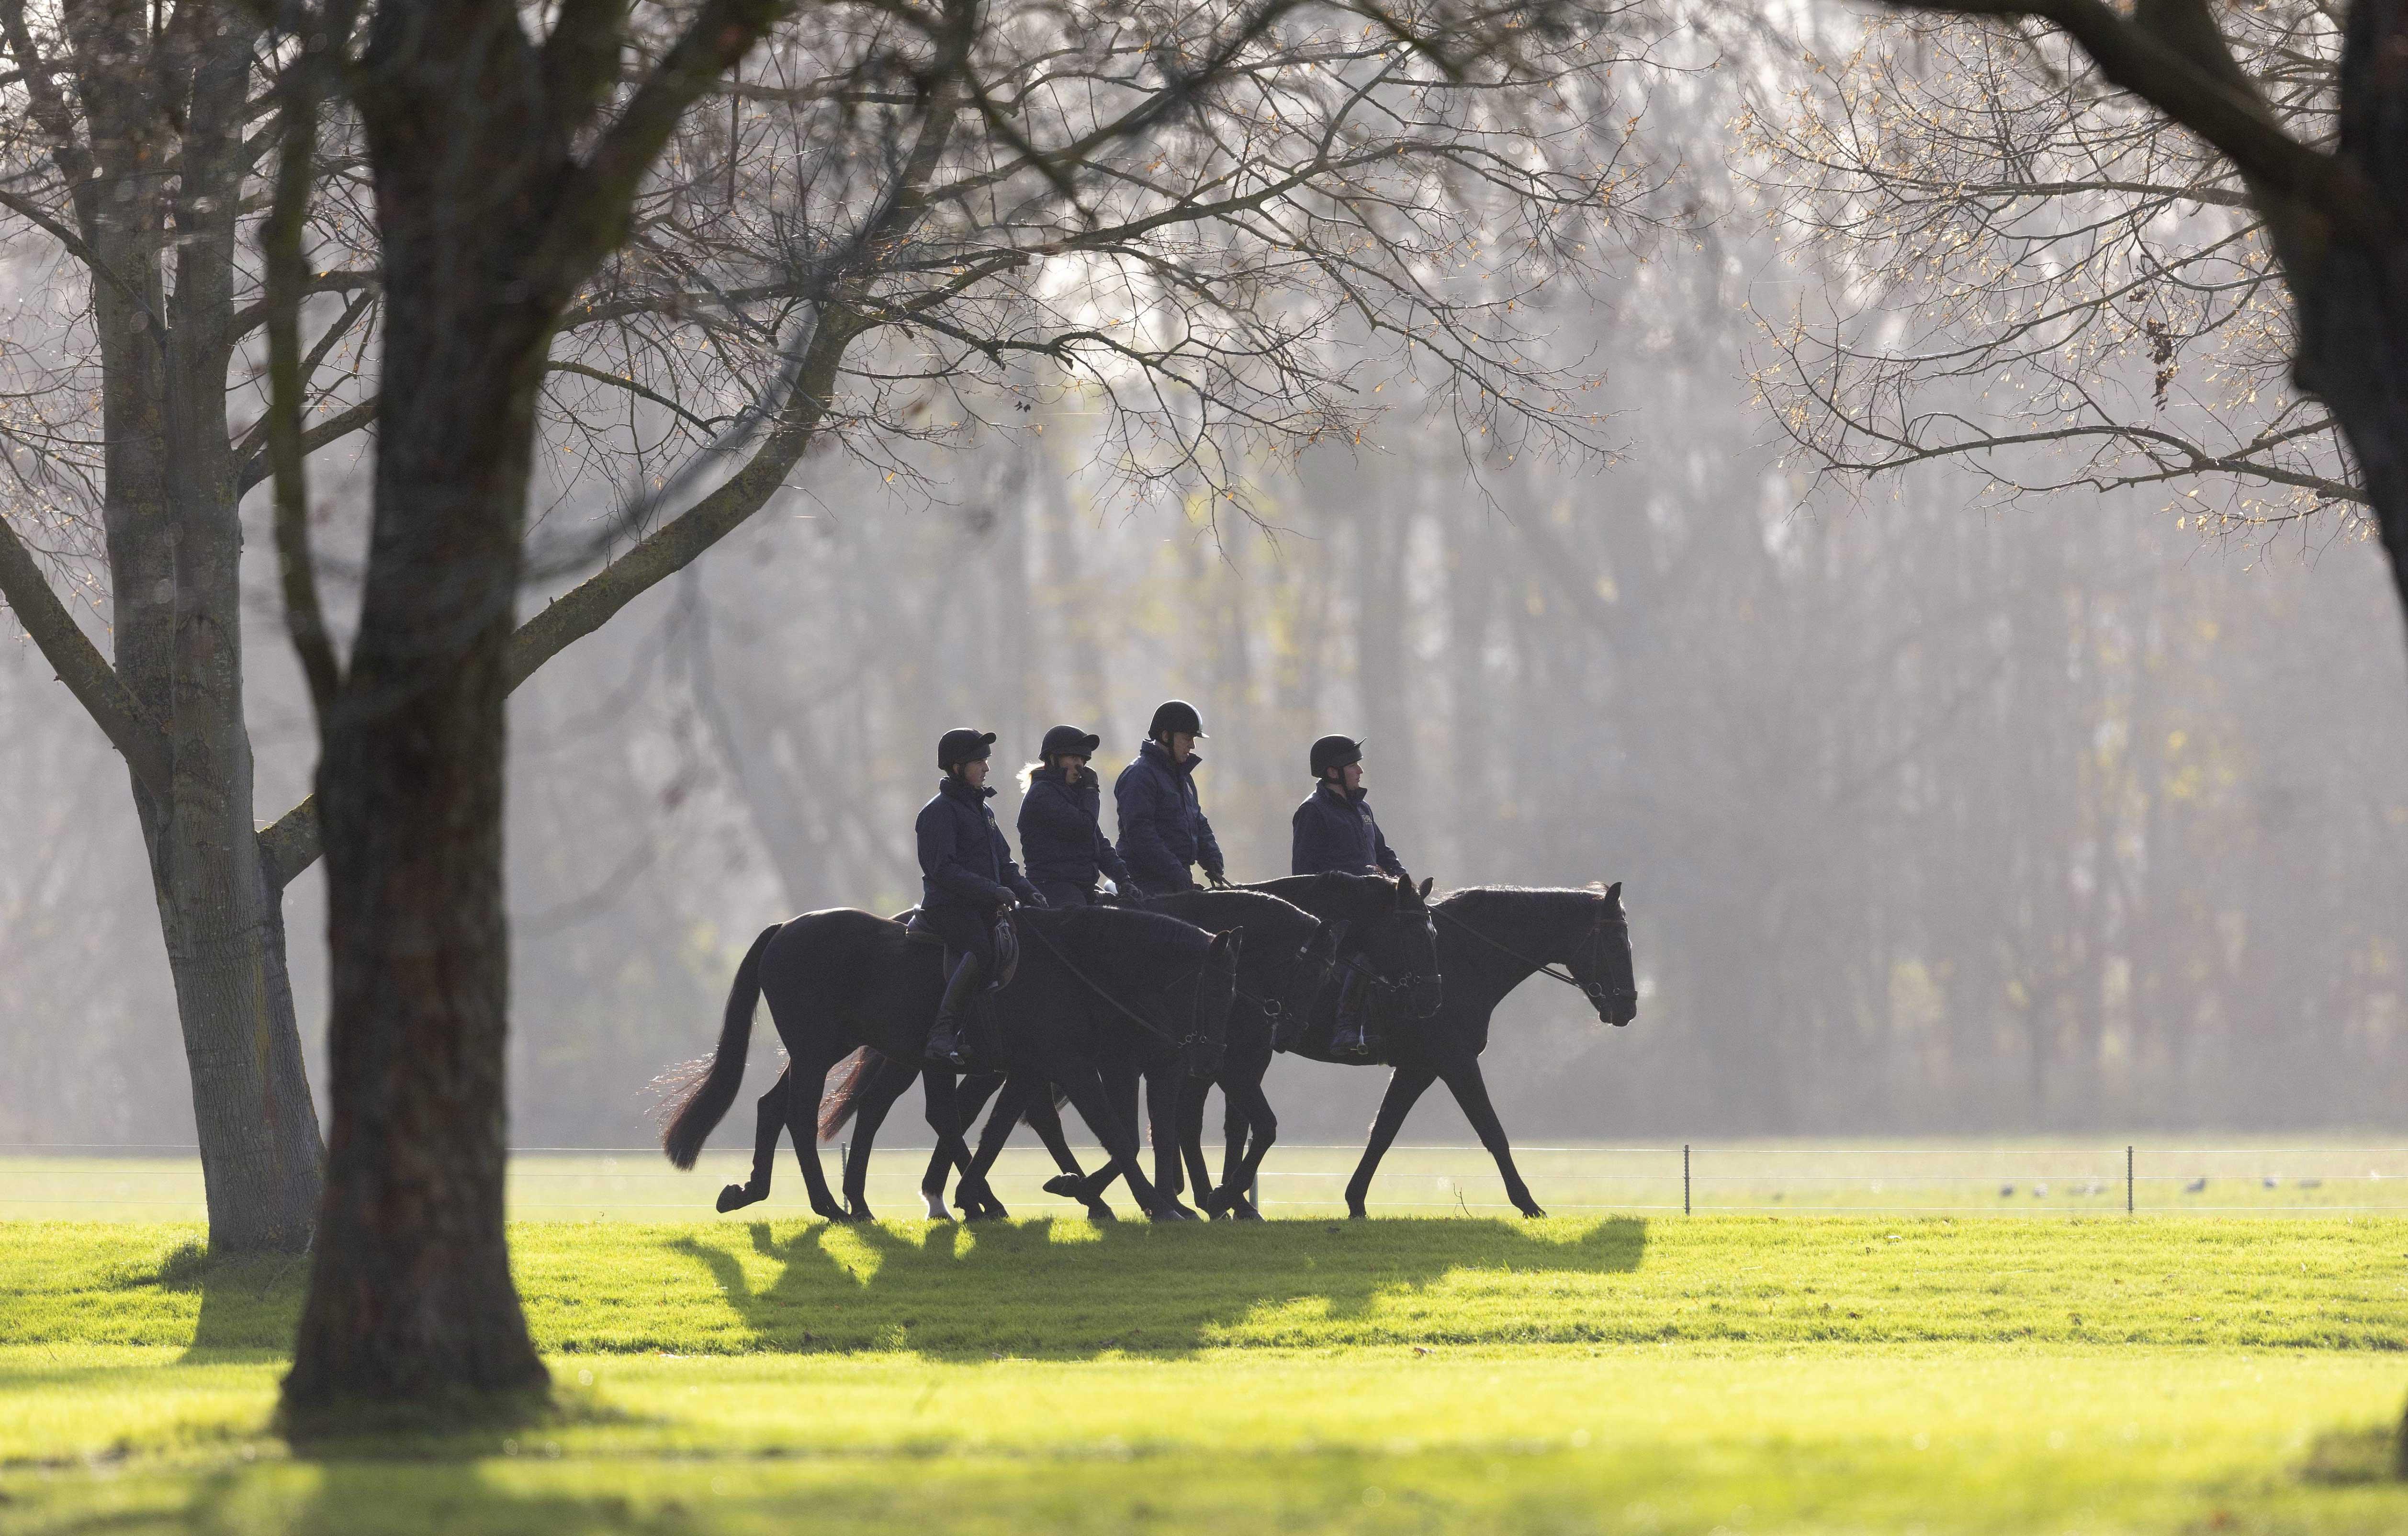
[1296, 953]
[1386, 930]
[842, 979]
[1490, 940]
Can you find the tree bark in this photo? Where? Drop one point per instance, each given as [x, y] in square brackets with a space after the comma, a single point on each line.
[487, 224]
[410, 1292]
[175, 547]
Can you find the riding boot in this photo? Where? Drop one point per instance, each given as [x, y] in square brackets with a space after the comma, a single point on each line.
[945, 1040]
[1346, 1038]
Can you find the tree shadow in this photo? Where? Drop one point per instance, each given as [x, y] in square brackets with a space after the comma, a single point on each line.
[1067, 1290]
[249, 1303]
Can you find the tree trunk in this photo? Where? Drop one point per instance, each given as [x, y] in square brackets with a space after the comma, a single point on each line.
[175, 550]
[410, 1294]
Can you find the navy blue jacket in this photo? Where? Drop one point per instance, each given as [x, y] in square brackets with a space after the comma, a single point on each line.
[1058, 832]
[1163, 829]
[1334, 830]
[964, 861]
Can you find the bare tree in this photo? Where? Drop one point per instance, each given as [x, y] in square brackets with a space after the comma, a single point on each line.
[2328, 201]
[2021, 267]
[1178, 202]
[132, 153]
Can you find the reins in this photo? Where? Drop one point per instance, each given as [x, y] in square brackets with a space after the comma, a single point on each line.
[1542, 968]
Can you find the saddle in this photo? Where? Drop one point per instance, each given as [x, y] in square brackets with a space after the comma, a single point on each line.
[1006, 935]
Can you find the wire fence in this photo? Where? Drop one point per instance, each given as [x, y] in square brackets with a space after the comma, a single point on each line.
[163, 1180]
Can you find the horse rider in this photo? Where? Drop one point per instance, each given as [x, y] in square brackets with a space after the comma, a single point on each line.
[968, 882]
[1334, 830]
[1060, 840]
[1164, 834]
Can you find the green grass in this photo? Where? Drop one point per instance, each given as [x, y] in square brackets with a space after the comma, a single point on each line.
[2243, 1175]
[1836, 1374]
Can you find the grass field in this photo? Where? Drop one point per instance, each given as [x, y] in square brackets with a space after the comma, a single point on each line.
[2236, 1175]
[1723, 1373]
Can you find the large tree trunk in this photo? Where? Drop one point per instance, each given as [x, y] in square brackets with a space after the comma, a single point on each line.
[174, 550]
[410, 1292]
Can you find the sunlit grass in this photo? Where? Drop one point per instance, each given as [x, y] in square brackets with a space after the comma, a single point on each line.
[1615, 1374]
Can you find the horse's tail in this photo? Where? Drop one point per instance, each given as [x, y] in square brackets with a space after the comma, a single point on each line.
[843, 1087]
[705, 1102]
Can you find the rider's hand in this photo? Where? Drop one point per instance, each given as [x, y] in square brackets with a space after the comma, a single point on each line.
[1219, 880]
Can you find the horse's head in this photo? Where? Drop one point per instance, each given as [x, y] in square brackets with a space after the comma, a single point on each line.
[1216, 986]
[1600, 961]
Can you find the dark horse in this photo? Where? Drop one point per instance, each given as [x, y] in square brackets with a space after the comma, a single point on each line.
[1089, 979]
[1490, 940]
[1287, 959]
[1385, 928]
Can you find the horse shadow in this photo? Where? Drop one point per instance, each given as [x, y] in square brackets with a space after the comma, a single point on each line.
[1066, 1289]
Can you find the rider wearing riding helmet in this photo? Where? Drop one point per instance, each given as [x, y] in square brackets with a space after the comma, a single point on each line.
[1334, 829]
[968, 881]
[1059, 837]
[1164, 834]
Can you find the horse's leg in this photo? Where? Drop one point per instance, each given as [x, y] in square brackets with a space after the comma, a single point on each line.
[771, 1125]
[1071, 1183]
[1117, 1082]
[1191, 1144]
[1470, 1090]
[1256, 1105]
[871, 1100]
[1094, 1106]
[972, 1093]
[1403, 1088]
[802, 1112]
[1163, 1092]
[973, 1194]
[945, 1119]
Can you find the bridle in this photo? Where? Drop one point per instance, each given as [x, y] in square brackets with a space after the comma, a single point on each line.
[1274, 1010]
[1600, 996]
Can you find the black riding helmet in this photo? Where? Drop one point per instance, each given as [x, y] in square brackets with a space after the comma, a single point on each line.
[1175, 715]
[1067, 740]
[962, 745]
[1334, 751]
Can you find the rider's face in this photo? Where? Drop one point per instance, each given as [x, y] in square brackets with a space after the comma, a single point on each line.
[1182, 746]
[975, 773]
[1352, 775]
[1071, 766]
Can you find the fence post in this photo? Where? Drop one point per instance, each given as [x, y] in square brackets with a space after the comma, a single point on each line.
[2127, 1179]
[1255, 1190]
[1684, 1178]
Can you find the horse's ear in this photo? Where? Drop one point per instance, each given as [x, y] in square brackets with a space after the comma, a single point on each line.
[1613, 893]
[1425, 887]
[1229, 944]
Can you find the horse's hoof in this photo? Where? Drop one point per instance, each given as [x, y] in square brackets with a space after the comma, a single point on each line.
[1355, 1212]
[1182, 1212]
[989, 1212]
[1214, 1201]
[1243, 1211]
[1068, 1186]
[736, 1198]
[1532, 1212]
[1100, 1211]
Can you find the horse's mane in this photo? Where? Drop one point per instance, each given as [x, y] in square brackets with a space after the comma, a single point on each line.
[1517, 900]
[1259, 912]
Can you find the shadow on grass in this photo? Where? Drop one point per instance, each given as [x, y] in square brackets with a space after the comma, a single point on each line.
[1137, 1289]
